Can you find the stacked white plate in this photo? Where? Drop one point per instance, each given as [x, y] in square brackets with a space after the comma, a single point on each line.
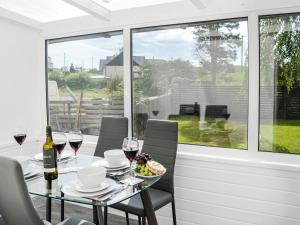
[123, 165]
[75, 188]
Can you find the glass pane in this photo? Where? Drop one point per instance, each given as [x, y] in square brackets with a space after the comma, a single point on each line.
[85, 82]
[196, 74]
[43, 10]
[279, 83]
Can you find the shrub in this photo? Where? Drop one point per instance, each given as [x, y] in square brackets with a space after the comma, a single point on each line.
[79, 80]
[58, 77]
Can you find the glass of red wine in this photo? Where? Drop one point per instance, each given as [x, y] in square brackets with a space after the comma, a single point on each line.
[20, 136]
[75, 140]
[130, 147]
[59, 142]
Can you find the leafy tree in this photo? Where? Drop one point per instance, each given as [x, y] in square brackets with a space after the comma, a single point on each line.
[157, 74]
[216, 47]
[72, 68]
[280, 42]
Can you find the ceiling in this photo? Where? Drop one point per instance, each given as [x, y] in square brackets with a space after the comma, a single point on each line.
[45, 11]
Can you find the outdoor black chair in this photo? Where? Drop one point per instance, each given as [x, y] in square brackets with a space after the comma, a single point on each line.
[161, 138]
[112, 132]
[189, 109]
[15, 205]
[213, 112]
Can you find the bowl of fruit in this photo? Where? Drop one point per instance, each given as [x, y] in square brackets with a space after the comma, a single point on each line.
[148, 168]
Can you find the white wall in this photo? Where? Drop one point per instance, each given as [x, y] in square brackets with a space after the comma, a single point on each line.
[22, 89]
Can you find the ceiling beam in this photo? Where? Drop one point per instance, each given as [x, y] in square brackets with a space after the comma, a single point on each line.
[91, 7]
[198, 3]
[13, 16]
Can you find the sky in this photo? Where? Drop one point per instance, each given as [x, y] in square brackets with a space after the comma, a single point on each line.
[164, 44]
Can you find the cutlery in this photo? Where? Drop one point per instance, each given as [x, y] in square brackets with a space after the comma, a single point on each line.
[33, 177]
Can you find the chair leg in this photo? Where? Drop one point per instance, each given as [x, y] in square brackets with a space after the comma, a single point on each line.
[139, 220]
[127, 218]
[143, 220]
[174, 212]
[105, 215]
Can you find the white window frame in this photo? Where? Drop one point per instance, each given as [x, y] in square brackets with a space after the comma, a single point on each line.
[252, 156]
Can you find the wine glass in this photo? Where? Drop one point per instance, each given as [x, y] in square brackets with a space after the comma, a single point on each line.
[130, 147]
[20, 136]
[75, 140]
[59, 142]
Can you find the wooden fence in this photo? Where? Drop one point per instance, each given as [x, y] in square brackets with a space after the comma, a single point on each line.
[85, 114]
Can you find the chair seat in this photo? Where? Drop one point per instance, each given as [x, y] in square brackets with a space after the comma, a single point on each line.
[135, 205]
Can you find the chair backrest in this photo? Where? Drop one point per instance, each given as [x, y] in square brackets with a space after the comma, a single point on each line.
[15, 203]
[112, 132]
[161, 138]
[189, 109]
[216, 111]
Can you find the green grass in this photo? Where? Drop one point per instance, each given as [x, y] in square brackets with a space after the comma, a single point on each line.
[285, 136]
[234, 135]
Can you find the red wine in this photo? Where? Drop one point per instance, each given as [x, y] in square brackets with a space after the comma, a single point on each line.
[130, 154]
[20, 138]
[59, 146]
[75, 144]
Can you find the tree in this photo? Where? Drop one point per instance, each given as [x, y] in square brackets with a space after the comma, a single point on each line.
[216, 47]
[72, 68]
[281, 40]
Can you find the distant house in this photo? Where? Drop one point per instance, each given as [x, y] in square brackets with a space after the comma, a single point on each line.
[114, 66]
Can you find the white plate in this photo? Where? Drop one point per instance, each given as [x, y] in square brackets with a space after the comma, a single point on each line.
[64, 155]
[69, 189]
[105, 164]
[81, 188]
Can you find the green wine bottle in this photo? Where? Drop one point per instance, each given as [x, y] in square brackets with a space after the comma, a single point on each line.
[49, 155]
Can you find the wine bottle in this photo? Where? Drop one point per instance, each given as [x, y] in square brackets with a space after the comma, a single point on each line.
[49, 155]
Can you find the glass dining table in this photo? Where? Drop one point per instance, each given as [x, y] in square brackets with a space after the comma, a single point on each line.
[67, 174]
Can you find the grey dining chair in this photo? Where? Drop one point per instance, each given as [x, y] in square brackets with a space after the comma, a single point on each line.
[16, 206]
[161, 138]
[112, 132]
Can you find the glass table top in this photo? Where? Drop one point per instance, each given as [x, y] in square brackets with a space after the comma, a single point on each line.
[38, 186]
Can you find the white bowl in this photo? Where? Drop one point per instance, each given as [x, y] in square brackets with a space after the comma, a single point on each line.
[114, 157]
[92, 176]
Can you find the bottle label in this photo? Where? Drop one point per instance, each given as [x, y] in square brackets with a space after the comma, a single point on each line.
[49, 159]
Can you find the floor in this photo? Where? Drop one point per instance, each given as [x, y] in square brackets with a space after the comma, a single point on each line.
[74, 211]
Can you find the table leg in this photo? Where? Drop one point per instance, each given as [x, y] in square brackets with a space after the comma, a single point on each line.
[62, 208]
[100, 215]
[149, 211]
[48, 209]
[95, 215]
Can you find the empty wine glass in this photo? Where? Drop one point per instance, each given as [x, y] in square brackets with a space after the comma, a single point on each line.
[59, 142]
[130, 147]
[75, 140]
[20, 135]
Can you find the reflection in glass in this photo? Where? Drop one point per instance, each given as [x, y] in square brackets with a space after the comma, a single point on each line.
[196, 74]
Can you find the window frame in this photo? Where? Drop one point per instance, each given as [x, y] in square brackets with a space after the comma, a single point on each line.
[252, 157]
[170, 26]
